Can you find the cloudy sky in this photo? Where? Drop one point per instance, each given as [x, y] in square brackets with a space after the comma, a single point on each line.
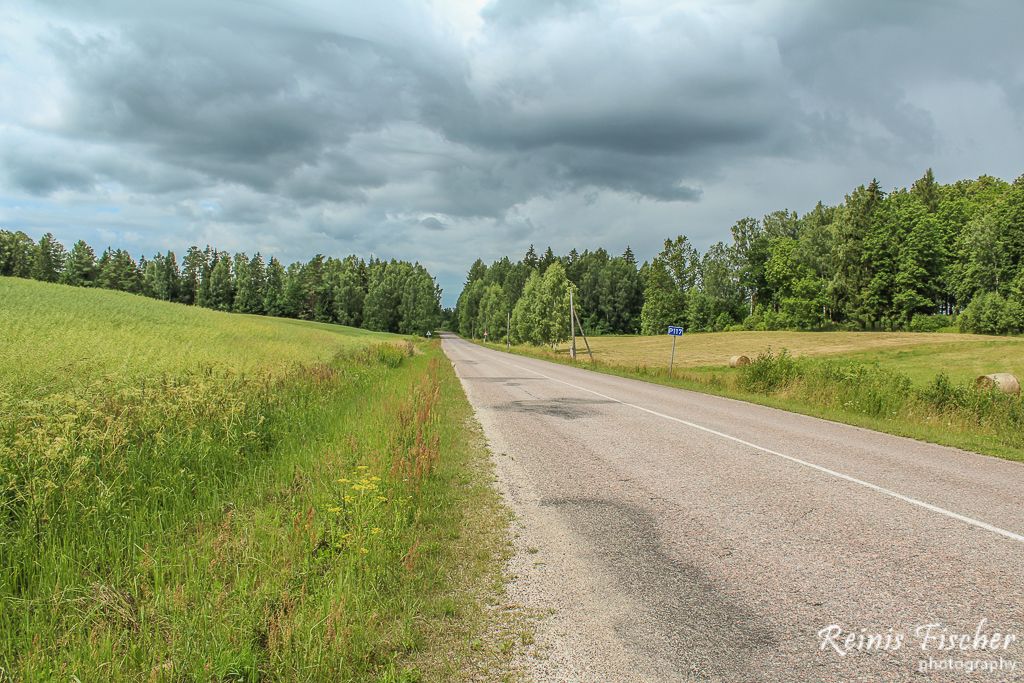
[446, 130]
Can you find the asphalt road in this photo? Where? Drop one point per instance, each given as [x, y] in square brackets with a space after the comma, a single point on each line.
[675, 536]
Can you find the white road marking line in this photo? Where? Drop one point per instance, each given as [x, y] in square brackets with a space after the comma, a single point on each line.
[839, 475]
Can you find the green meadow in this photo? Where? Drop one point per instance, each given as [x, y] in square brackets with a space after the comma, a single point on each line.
[187, 495]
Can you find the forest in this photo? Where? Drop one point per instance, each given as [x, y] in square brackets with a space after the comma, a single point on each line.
[387, 296]
[923, 258]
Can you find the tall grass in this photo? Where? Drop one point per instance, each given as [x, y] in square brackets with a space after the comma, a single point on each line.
[297, 517]
[880, 393]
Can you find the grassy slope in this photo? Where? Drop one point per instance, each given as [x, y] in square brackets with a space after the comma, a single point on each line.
[58, 336]
[920, 355]
[191, 495]
[700, 363]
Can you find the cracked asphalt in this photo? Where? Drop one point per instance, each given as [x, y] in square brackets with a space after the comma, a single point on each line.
[676, 536]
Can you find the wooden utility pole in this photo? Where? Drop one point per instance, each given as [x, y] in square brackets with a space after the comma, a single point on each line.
[508, 331]
[583, 334]
[572, 326]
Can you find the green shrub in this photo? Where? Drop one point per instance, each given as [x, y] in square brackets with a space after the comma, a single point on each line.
[992, 313]
[929, 323]
[769, 372]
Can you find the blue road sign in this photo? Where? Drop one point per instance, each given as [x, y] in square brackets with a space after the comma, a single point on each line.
[675, 331]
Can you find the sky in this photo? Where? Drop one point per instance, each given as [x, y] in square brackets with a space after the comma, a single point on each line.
[449, 130]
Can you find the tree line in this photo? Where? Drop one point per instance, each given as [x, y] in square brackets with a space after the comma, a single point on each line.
[922, 258]
[389, 296]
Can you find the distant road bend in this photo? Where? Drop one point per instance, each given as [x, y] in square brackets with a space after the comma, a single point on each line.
[677, 536]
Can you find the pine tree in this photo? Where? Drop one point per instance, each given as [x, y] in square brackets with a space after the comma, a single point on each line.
[294, 291]
[160, 277]
[191, 275]
[246, 294]
[927, 190]
[253, 302]
[273, 296]
[530, 259]
[349, 285]
[221, 292]
[852, 252]
[547, 259]
[49, 259]
[80, 268]
[477, 271]
[119, 271]
[917, 277]
[204, 294]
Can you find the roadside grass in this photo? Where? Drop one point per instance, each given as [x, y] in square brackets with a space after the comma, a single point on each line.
[853, 389]
[918, 354]
[207, 496]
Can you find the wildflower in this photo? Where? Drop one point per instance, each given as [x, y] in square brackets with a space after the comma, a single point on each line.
[343, 480]
[334, 510]
[363, 551]
[375, 530]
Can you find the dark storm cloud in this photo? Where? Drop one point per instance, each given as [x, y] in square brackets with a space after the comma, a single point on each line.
[255, 103]
[41, 176]
[333, 121]
[271, 101]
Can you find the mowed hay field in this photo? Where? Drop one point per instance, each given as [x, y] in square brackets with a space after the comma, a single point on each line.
[188, 495]
[919, 355]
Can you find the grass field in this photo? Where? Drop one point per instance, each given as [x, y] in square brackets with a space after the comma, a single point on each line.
[911, 384]
[919, 355]
[192, 496]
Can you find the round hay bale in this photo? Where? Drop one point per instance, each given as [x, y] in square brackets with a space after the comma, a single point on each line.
[738, 361]
[1002, 381]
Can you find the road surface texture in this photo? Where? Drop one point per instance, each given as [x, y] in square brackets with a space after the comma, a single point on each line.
[676, 536]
